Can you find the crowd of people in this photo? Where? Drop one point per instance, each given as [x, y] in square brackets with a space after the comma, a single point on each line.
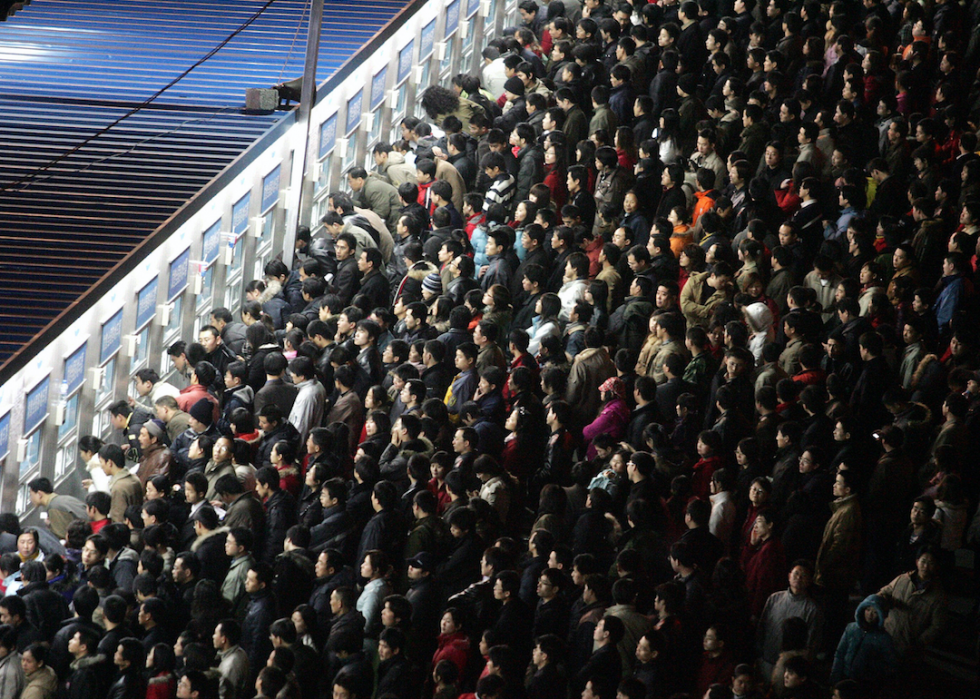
[645, 366]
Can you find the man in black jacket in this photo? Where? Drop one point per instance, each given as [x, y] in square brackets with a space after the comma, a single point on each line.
[346, 280]
[280, 511]
[604, 667]
[86, 679]
[209, 546]
[548, 680]
[84, 603]
[331, 573]
[513, 625]
[386, 530]
[395, 671]
[374, 284]
[259, 617]
[46, 609]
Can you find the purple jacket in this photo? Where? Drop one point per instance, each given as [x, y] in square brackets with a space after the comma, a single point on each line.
[612, 420]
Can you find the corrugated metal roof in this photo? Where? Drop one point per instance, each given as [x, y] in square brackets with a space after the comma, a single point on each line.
[69, 68]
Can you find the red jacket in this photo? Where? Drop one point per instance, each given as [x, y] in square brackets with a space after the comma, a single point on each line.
[192, 394]
[704, 469]
[454, 647]
[714, 671]
[765, 572]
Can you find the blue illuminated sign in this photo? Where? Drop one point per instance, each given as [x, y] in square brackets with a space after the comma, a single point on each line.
[428, 40]
[452, 18]
[5, 435]
[37, 405]
[212, 237]
[354, 112]
[111, 337]
[239, 215]
[146, 303]
[270, 188]
[378, 88]
[405, 62]
[178, 275]
[328, 135]
[74, 374]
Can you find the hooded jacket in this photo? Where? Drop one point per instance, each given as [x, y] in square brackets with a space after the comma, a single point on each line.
[866, 652]
[209, 548]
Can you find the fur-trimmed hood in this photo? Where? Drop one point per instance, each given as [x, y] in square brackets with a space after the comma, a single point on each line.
[207, 535]
[272, 289]
[420, 270]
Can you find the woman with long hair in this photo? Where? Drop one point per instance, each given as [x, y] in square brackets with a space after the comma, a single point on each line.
[523, 447]
[585, 156]
[439, 313]
[668, 137]
[625, 141]
[555, 173]
[692, 260]
[546, 323]
[160, 664]
[375, 569]
[597, 295]
[496, 306]
[378, 429]
[263, 343]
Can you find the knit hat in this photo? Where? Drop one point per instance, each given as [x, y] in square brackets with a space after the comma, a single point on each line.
[515, 85]
[156, 428]
[433, 283]
[687, 83]
[613, 385]
[203, 412]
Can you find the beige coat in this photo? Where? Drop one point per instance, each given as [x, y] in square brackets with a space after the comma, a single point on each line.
[917, 617]
[41, 684]
[126, 490]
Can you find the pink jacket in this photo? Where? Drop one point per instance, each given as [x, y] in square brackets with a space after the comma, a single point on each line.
[612, 420]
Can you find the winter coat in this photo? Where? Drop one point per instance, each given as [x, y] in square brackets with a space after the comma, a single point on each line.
[11, 676]
[233, 586]
[530, 170]
[209, 549]
[866, 652]
[46, 609]
[129, 685]
[589, 370]
[85, 681]
[381, 198]
[396, 170]
[384, 531]
[917, 616]
[839, 558]
[280, 515]
[765, 572]
[696, 312]
[255, 629]
[41, 684]
[612, 420]
[454, 647]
